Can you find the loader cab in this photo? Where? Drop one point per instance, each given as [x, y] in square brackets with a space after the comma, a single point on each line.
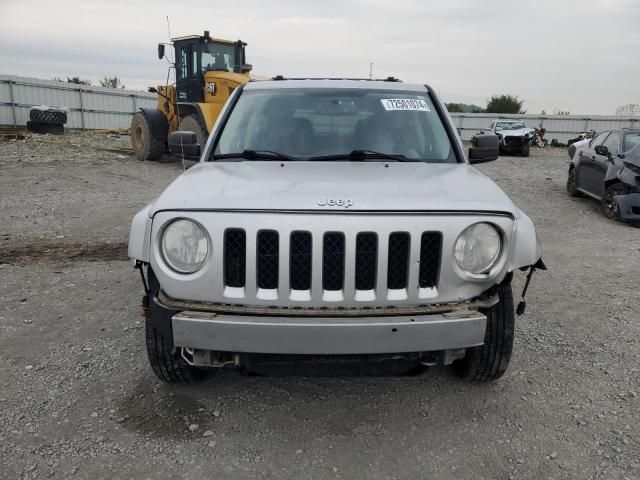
[195, 55]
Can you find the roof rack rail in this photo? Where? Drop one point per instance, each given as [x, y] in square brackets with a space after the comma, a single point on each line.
[388, 79]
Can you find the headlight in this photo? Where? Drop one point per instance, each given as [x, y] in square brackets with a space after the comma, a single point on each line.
[478, 248]
[184, 246]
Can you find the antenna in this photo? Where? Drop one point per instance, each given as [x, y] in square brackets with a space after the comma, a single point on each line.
[175, 80]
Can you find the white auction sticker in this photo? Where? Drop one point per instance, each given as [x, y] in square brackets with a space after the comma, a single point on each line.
[414, 104]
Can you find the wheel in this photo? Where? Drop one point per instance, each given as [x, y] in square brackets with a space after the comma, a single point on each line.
[526, 147]
[490, 360]
[571, 184]
[609, 207]
[149, 135]
[46, 116]
[165, 359]
[192, 123]
[37, 127]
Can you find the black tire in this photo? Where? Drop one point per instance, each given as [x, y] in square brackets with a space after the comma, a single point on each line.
[609, 207]
[165, 359]
[46, 116]
[526, 148]
[490, 361]
[37, 127]
[571, 184]
[193, 123]
[149, 135]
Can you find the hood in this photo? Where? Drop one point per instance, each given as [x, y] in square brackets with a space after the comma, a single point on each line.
[353, 186]
[521, 132]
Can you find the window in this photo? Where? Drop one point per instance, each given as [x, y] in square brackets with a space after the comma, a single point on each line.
[218, 56]
[182, 66]
[510, 126]
[317, 122]
[613, 144]
[631, 140]
[598, 140]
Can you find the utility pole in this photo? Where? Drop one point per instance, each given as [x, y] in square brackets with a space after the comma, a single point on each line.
[370, 70]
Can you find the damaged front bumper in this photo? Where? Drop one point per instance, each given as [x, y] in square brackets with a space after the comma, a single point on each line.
[628, 207]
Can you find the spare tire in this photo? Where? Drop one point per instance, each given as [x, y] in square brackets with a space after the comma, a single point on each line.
[37, 127]
[48, 116]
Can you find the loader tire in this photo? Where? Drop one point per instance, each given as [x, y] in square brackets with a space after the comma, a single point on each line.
[45, 116]
[149, 135]
[193, 123]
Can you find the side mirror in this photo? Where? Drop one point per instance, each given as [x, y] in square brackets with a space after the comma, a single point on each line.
[161, 51]
[184, 144]
[485, 148]
[602, 150]
[246, 68]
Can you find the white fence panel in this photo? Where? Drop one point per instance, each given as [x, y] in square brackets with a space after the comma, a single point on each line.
[90, 107]
[559, 127]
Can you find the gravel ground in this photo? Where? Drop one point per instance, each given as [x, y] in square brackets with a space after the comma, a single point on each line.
[79, 400]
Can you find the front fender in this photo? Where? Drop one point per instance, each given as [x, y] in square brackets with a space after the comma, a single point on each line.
[526, 248]
[140, 235]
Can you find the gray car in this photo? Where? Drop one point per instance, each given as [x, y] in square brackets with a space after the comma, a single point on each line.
[331, 221]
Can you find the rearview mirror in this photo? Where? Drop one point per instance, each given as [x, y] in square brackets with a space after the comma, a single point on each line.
[161, 51]
[184, 144]
[602, 150]
[485, 148]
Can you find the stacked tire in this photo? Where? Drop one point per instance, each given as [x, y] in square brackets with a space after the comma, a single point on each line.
[50, 120]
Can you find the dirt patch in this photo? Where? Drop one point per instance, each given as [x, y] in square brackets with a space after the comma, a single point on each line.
[56, 252]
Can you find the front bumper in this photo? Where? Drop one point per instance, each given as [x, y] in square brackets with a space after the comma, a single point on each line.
[628, 207]
[328, 335]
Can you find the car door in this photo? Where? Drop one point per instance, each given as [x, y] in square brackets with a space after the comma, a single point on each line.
[586, 168]
[602, 163]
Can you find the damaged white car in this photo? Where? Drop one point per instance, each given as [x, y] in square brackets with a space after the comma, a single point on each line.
[331, 223]
[515, 137]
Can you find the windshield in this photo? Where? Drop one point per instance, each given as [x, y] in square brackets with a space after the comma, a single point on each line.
[218, 56]
[510, 125]
[312, 123]
[631, 140]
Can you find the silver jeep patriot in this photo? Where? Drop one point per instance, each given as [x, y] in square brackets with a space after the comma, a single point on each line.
[328, 222]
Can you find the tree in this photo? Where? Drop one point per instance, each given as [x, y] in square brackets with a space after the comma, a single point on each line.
[505, 104]
[76, 80]
[111, 82]
[453, 107]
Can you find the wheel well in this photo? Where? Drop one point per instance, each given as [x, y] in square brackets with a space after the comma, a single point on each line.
[185, 109]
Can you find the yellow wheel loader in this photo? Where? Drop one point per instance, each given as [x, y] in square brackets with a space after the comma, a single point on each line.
[207, 71]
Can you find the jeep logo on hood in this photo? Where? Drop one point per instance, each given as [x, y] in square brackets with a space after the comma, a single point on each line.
[336, 202]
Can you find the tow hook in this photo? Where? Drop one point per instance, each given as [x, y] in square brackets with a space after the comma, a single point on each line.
[522, 306]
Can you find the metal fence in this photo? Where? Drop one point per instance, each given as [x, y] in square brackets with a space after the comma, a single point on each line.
[560, 127]
[90, 107]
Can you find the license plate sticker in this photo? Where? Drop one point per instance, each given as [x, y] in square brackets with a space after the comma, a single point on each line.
[408, 104]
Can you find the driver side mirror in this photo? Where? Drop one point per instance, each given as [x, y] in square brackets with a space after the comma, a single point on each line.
[160, 51]
[485, 148]
[184, 144]
[246, 68]
[602, 150]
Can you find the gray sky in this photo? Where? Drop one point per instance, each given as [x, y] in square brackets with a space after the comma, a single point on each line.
[555, 54]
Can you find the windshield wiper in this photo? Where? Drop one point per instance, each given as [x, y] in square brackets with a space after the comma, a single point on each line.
[361, 156]
[256, 155]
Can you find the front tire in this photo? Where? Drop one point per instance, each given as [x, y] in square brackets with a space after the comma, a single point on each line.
[149, 135]
[490, 361]
[609, 207]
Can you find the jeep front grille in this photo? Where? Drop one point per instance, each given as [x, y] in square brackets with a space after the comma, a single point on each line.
[345, 266]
